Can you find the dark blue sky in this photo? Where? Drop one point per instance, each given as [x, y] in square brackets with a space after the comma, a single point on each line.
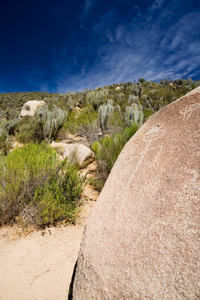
[65, 45]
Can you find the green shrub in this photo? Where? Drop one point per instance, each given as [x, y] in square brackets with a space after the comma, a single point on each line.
[60, 197]
[35, 186]
[116, 123]
[29, 130]
[107, 150]
[3, 134]
[76, 122]
[70, 122]
[148, 113]
[83, 123]
[5, 143]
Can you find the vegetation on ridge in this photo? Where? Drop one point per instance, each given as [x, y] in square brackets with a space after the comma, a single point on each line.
[107, 116]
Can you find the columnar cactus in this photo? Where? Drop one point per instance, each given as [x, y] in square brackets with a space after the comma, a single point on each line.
[118, 108]
[105, 113]
[134, 114]
[97, 98]
[11, 125]
[51, 121]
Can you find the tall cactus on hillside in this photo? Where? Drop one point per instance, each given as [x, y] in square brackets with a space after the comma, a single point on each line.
[105, 113]
[11, 125]
[51, 121]
[134, 114]
[97, 98]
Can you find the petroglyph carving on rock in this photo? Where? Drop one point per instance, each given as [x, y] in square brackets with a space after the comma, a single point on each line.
[142, 239]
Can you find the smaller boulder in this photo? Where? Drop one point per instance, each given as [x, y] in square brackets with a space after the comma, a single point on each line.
[30, 108]
[79, 154]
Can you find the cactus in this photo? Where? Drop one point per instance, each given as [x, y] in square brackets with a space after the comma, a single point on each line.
[105, 113]
[51, 121]
[118, 108]
[70, 103]
[134, 114]
[109, 101]
[5, 142]
[11, 125]
[121, 95]
[97, 98]
[132, 98]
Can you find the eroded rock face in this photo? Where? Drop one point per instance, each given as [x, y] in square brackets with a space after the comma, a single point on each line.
[30, 108]
[142, 239]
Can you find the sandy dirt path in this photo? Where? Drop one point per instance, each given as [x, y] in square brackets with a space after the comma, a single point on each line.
[40, 265]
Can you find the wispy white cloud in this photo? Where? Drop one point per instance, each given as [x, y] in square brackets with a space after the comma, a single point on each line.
[87, 8]
[147, 47]
[157, 4]
[123, 65]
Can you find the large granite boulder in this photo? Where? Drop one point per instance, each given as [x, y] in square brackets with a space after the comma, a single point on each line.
[77, 153]
[142, 239]
[30, 107]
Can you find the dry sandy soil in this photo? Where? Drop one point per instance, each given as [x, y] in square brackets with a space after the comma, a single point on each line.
[38, 265]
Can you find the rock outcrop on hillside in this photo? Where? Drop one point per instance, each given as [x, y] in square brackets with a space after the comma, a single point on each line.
[77, 153]
[30, 107]
[142, 239]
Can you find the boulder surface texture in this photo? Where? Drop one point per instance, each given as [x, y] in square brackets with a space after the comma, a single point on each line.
[77, 153]
[30, 108]
[142, 239]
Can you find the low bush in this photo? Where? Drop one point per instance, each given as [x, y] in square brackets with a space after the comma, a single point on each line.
[36, 187]
[83, 123]
[107, 150]
[29, 130]
[117, 121]
[5, 142]
[148, 113]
